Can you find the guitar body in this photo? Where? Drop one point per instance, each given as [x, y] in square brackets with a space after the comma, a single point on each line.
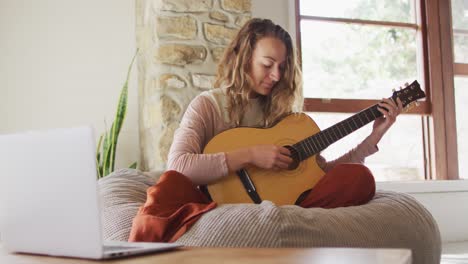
[281, 187]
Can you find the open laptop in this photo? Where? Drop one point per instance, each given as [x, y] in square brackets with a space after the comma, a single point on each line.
[49, 201]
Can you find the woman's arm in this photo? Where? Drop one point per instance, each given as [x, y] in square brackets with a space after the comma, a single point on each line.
[390, 110]
[355, 155]
[201, 122]
[198, 126]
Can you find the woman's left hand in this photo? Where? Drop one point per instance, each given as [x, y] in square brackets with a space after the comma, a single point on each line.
[390, 110]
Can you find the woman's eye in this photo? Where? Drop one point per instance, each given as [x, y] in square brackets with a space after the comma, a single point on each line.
[267, 66]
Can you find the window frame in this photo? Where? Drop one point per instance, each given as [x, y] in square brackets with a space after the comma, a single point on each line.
[437, 111]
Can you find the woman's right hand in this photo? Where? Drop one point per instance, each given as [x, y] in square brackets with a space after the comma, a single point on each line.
[270, 157]
[263, 156]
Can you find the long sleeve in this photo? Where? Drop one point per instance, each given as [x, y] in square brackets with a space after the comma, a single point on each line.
[355, 155]
[199, 124]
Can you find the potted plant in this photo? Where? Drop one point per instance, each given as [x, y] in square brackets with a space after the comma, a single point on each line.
[107, 145]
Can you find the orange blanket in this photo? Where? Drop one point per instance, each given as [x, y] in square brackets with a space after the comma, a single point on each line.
[172, 206]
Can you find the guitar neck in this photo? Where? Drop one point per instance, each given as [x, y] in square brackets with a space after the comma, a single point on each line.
[320, 141]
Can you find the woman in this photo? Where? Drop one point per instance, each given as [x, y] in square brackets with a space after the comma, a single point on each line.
[259, 83]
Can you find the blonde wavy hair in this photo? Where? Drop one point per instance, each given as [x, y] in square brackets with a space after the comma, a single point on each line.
[233, 73]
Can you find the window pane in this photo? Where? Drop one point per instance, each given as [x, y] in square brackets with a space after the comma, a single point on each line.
[460, 14]
[461, 108]
[355, 61]
[460, 30]
[460, 47]
[400, 155]
[382, 10]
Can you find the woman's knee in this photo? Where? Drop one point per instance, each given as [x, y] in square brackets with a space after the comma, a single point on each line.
[357, 173]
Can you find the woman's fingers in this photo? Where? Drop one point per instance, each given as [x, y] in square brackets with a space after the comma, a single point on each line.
[281, 165]
[283, 159]
[271, 157]
[400, 105]
[389, 108]
[285, 154]
[284, 151]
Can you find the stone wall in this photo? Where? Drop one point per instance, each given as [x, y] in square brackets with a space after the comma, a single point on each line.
[180, 43]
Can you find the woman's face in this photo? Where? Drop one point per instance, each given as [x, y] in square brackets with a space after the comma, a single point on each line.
[267, 66]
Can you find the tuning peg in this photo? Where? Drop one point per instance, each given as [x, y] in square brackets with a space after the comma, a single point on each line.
[408, 107]
[393, 90]
[401, 88]
[406, 84]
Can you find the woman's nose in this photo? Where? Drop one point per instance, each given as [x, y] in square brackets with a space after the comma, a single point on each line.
[275, 74]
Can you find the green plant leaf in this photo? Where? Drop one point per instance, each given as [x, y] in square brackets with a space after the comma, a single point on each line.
[133, 165]
[120, 115]
[98, 157]
[106, 149]
[105, 157]
[117, 125]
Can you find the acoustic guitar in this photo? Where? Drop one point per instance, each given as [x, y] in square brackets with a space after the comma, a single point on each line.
[298, 133]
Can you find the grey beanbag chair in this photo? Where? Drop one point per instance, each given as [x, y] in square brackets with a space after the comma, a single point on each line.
[390, 220]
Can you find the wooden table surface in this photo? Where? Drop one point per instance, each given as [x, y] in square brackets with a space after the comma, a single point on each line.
[235, 255]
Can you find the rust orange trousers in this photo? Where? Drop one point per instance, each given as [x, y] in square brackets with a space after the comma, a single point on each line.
[174, 203]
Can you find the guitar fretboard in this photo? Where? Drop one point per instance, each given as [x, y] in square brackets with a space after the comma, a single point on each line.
[320, 141]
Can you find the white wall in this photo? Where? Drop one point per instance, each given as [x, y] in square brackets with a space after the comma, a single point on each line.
[63, 63]
[279, 11]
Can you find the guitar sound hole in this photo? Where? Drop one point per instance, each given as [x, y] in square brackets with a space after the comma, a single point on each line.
[295, 157]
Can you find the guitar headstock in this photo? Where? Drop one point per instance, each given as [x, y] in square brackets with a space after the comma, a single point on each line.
[409, 94]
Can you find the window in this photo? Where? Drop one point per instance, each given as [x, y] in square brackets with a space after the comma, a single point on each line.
[460, 50]
[354, 52]
[347, 57]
